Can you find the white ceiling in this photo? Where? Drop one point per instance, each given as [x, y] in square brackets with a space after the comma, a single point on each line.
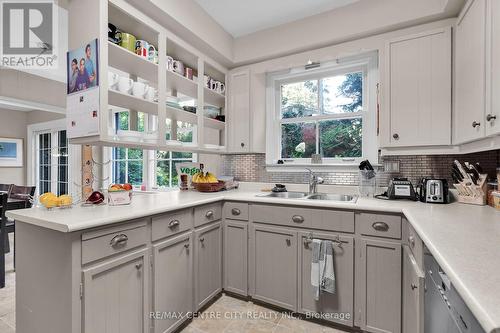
[242, 17]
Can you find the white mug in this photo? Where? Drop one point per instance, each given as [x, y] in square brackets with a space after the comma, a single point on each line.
[179, 67]
[139, 89]
[125, 84]
[150, 94]
[220, 87]
[112, 80]
[170, 63]
[207, 79]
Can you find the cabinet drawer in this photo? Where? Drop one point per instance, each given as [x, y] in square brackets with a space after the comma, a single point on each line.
[107, 242]
[415, 244]
[236, 211]
[172, 223]
[379, 225]
[207, 213]
[331, 220]
[289, 216]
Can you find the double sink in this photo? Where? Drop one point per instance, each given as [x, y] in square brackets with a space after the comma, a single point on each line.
[315, 196]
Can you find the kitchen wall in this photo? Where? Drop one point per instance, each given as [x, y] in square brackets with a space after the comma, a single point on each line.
[252, 168]
[13, 124]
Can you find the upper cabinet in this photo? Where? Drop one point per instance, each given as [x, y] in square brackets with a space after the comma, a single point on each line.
[470, 71]
[419, 89]
[493, 59]
[239, 114]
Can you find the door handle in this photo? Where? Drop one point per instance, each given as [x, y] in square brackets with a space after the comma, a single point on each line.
[173, 224]
[380, 226]
[119, 240]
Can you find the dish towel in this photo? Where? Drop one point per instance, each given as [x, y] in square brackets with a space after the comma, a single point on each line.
[322, 269]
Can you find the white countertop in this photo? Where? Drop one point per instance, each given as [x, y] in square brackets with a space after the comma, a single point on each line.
[464, 239]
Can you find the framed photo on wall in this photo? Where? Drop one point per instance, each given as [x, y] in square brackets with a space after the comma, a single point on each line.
[11, 152]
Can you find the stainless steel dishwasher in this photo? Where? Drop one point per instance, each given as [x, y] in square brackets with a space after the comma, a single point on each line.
[445, 311]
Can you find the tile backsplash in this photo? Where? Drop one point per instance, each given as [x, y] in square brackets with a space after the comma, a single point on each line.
[252, 168]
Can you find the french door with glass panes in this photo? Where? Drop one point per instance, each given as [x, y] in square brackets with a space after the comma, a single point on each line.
[52, 172]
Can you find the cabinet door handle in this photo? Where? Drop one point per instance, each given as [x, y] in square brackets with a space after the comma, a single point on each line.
[186, 245]
[209, 214]
[242, 144]
[413, 286]
[490, 117]
[411, 241]
[288, 242]
[235, 211]
[119, 240]
[298, 219]
[475, 124]
[173, 224]
[395, 136]
[202, 239]
[138, 266]
[380, 226]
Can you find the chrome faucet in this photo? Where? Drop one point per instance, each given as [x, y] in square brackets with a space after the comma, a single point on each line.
[313, 182]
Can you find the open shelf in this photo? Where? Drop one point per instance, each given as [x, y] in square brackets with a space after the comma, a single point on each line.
[131, 63]
[181, 115]
[130, 102]
[182, 84]
[214, 123]
[212, 97]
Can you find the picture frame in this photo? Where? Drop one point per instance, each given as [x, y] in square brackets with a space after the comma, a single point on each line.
[11, 152]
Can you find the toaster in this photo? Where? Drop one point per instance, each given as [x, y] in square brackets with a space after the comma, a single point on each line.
[434, 190]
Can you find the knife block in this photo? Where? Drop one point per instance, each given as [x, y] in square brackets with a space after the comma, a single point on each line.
[470, 193]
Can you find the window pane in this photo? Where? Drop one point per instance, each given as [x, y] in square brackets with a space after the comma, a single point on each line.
[119, 153]
[135, 172]
[140, 121]
[185, 132]
[62, 188]
[298, 140]
[341, 138]
[44, 157]
[119, 172]
[135, 154]
[182, 155]
[45, 141]
[122, 120]
[62, 174]
[299, 99]
[343, 93]
[163, 173]
[44, 187]
[63, 142]
[162, 155]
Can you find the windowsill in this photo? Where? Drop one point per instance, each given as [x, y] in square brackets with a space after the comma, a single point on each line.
[326, 167]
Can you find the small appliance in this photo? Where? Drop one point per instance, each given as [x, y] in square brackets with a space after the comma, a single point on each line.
[399, 188]
[434, 190]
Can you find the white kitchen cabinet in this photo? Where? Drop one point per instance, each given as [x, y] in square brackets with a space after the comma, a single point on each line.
[419, 89]
[413, 294]
[492, 118]
[115, 295]
[239, 111]
[470, 73]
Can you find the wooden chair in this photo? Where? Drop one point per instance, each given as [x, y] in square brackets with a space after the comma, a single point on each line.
[6, 188]
[23, 193]
[3, 234]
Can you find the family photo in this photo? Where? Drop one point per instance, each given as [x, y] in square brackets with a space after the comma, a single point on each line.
[83, 67]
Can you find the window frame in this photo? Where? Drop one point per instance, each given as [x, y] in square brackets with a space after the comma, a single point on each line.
[366, 64]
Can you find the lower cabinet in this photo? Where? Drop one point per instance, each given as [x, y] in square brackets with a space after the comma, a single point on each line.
[115, 295]
[208, 263]
[336, 307]
[173, 281]
[274, 265]
[378, 286]
[413, 294]
[235, 257]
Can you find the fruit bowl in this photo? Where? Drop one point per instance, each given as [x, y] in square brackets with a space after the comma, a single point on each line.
[209, 187]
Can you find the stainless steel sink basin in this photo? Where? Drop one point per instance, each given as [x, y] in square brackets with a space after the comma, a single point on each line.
[316, 196]
[333, 197]
[285, 195]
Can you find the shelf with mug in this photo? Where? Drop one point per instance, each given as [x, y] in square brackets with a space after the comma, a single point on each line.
[181, 115]
[182, 84]
[129, 62]
[131, 102]
[212, 97]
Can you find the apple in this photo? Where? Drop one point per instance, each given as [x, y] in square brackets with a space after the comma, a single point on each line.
[127, 187]
[96, 198]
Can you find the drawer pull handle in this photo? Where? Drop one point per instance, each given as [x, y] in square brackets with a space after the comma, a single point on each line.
[298, 219]
[173, 224]
[380, 226]
[235, 211]
[119, 240]
[209, 214]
